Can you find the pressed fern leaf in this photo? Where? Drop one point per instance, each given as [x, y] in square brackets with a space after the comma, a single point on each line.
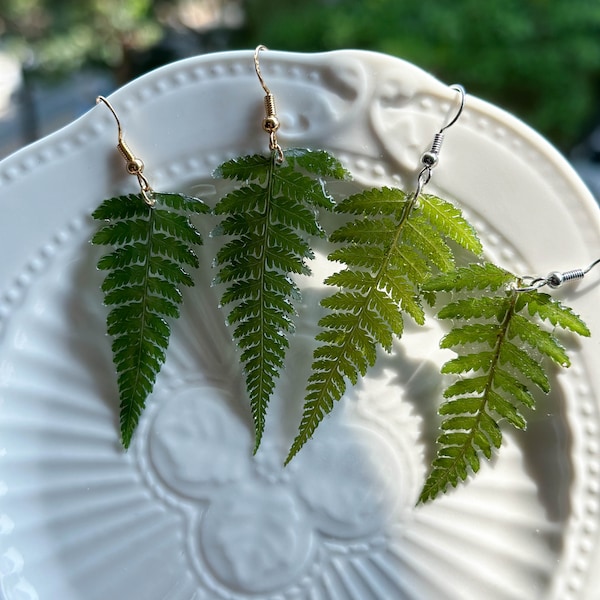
[269, 220]
[500, 336]
[152, 251]
[391, 247]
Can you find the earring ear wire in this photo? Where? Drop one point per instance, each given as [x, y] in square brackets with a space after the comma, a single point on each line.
[270, 123]
[134, 165]
[461, 90]
[555, 279]
[431, 157]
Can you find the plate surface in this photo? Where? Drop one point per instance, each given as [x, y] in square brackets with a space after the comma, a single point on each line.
[188, 513]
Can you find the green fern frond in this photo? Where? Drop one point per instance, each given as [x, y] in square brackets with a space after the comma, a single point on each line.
[318, 162]
[500, 360]
[390, 249]
[474, 277]
[145, 269]
[449, 220]
[269, 220]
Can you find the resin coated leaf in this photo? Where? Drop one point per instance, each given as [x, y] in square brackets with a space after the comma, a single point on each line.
[152, 250]
[269, 220]
[389, 249]
[503, 339]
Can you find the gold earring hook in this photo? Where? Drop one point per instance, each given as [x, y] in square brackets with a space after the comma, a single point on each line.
[257, 68]
[270, 123]
[134, 165]
[112, 110]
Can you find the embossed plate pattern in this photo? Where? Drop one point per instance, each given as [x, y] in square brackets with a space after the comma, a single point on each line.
[188, 513]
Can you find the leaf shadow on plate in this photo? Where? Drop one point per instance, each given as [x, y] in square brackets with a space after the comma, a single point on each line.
[422, 386]
[95, 507]
[90, 344]
[201, 341]
[547, 449]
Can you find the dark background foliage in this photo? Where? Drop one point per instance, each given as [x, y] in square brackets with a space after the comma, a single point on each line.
[539, 59]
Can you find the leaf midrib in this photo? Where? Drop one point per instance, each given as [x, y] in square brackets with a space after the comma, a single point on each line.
[261, 403]
[502, 333]
[130, 410]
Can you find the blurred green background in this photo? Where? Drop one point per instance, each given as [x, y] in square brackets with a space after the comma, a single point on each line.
[539, 59]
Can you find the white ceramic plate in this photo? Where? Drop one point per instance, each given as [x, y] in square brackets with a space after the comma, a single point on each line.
[187, 513]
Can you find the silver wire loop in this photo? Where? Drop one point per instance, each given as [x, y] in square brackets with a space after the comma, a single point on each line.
[461, 90]
[555, 279]
[422, 180]
[134, 165]
[271, 122]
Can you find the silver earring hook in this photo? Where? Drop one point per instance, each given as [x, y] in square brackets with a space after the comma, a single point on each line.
[555, 279]
[431, 158]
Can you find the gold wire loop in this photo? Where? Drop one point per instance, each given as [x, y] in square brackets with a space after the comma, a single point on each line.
[257, 68]
[271, 122]
[134, 165]
[274, 146]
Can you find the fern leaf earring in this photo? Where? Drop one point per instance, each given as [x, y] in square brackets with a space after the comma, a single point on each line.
[394, 243]
[269, 220]
[503, 334]
[152, 243]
